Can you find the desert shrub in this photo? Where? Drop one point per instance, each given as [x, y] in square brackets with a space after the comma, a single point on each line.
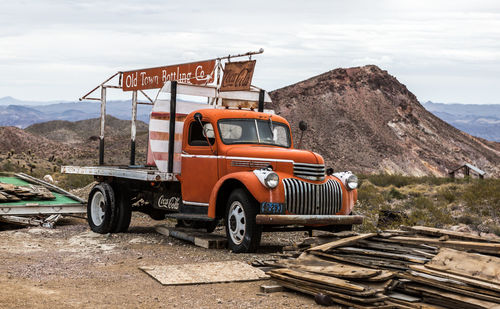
[449, 194]
[72, 181]
[483, 197]
[395, 194]
[397, 180]
[424, 211]
[370, 200]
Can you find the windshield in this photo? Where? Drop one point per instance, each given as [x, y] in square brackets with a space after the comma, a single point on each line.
[254, 131]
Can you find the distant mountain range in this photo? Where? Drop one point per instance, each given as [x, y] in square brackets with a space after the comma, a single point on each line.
[22, 114]
[475, 119]
[478, 120]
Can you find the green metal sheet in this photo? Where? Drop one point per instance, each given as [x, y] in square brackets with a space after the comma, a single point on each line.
[60, 199]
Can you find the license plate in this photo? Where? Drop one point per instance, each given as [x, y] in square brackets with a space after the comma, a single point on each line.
[271, 208]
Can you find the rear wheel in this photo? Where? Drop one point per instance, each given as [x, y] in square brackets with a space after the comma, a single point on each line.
[101, 208]
[123, 212]
[243, 234]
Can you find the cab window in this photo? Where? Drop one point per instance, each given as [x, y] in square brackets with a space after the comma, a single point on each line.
[197, 134]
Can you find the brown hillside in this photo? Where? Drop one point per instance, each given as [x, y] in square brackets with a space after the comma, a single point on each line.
[84, 136]
[362, 119]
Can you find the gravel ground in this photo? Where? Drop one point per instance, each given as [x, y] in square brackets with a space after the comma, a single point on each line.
[70, 266]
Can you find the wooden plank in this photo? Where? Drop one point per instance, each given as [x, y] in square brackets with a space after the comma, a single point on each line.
[326, 280]
[452, 234]
[464, 301]
[375, 253]
[214, 272]
[384, 275]
[441, 284]
[314, 264]
[491, 248]
[321, 289]
[341, 242]
[396, 248]
[200, 239]
[314, 291]
[265, 288]
[361, 261]
[477, 283]
[475, 266]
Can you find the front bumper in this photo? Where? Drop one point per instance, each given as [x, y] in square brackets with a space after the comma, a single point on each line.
[308, 219]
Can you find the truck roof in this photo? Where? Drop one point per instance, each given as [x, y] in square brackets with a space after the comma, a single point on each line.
[237, 113]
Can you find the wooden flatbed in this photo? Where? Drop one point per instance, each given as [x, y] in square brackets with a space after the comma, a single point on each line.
[126, 172]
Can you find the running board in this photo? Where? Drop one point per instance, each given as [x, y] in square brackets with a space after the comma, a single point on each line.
[193, 217]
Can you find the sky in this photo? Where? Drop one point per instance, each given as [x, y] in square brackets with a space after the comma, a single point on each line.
[444, 51]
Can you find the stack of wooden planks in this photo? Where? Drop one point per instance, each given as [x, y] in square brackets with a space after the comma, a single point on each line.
[417, 267]
[13, 193]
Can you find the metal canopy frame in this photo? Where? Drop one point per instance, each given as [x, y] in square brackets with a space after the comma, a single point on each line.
[115, 82]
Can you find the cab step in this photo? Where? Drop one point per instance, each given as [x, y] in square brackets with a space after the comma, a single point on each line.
[192, 217]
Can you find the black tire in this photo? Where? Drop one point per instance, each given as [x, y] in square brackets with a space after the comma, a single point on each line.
[101, 208]
[210, 226]
[243, 234]
[123, 212]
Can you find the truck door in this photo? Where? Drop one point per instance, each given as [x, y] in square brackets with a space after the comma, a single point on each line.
[199, 165]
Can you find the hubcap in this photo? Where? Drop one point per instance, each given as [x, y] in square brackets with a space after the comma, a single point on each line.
[236, 222]
[97, 208]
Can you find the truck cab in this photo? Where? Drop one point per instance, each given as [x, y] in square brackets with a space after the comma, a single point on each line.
[241, 166]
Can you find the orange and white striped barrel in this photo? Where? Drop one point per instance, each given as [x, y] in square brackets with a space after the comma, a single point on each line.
[159, 127]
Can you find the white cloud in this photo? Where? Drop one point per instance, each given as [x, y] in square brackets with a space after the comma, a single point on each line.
[46, 44]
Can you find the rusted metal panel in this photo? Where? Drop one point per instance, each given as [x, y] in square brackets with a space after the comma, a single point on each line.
[198, 73]
[237, 75]
[308, 219]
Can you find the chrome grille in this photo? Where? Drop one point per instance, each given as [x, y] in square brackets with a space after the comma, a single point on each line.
[309, 171]
[304, 198]
[251, 164]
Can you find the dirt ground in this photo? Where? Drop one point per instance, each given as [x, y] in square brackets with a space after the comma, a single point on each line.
[70, 266]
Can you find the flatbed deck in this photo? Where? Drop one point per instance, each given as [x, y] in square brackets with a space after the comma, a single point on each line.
[127, 172]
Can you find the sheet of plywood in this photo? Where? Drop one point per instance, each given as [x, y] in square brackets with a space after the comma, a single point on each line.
[475, 266]
[215, 272]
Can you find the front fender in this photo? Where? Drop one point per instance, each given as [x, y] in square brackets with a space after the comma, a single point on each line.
[252, 184]
[349, 196]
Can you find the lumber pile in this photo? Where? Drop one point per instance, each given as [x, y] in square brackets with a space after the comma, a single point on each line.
[417, 267]
[13, 193]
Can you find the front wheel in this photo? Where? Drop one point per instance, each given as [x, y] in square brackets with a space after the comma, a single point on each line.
[101, 208]
[243, 234]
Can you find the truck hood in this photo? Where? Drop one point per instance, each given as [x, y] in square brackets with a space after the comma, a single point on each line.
[274, 153]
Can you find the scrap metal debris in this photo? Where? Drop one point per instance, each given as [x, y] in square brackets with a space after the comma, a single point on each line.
[418, 267]
[13, 193]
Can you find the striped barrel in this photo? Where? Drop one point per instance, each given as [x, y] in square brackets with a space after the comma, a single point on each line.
[159, 128]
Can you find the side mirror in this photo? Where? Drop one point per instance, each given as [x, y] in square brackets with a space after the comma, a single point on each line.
[302, 125]
[198, 117]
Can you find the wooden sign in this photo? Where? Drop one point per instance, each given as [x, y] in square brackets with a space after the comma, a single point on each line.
[237, 75]
[196, 73]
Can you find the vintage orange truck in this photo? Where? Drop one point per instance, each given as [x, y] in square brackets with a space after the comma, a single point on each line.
[222, 162]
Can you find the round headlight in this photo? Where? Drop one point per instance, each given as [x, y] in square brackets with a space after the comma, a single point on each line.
[272, 180]
[352, 182]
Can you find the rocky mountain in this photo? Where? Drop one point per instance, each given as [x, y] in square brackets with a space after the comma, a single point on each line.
[475, 119]
[363, 119]
[42, 148]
